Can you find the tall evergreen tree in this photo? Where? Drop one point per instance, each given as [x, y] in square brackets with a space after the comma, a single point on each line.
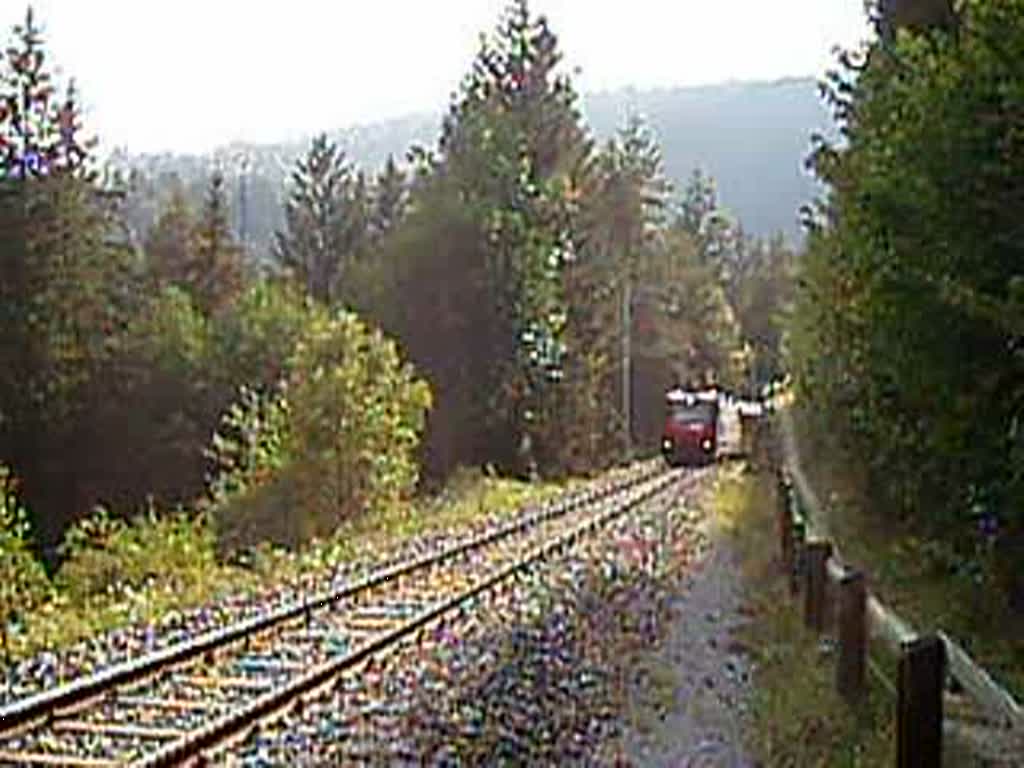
[39, 132]
[390, 199]
[621, 226]
[320, 227]
[68, 286]
[358, 220]
[510, 146]
[217, 268]
[708, 223]
[699, 201]
[168, 244]
[197, 252]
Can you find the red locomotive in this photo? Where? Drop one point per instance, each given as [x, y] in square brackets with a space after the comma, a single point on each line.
[691, 429]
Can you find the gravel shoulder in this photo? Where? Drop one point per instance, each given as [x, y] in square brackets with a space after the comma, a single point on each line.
[689, 696]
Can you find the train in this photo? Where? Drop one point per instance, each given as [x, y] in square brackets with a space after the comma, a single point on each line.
[690, 436]
[695, 434]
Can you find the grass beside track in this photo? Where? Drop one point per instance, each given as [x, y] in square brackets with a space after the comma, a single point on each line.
[191, 575]
[797, 717]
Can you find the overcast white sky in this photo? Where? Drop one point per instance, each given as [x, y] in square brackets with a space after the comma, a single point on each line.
[188, 75]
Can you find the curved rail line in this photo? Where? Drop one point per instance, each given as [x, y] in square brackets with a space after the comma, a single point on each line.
[279, 670]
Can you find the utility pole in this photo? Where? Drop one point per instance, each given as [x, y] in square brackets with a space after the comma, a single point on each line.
[243, 229]
[627, 367]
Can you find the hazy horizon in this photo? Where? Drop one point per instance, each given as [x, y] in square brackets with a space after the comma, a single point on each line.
[143, 68]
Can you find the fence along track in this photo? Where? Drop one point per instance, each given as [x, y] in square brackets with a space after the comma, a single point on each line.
[37, 727]
[1000, 727]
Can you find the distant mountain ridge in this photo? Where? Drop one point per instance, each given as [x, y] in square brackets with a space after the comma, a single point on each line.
[752, 137]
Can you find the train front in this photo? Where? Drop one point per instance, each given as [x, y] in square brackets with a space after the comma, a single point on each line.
[690, 435]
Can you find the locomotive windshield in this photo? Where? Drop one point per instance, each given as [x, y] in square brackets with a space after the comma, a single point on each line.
[693, 413]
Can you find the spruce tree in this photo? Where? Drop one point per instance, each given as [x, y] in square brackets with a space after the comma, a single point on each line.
[357, 221]
[390, 199]
[26, 134]
[320, 229]
[216, 269]
[68, 285]
[703, 218]
[700, 200]
[40, 133]
[168, 244]
[511, 146]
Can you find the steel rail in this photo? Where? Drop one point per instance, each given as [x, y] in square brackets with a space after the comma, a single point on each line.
[226, 727]
[23, 712]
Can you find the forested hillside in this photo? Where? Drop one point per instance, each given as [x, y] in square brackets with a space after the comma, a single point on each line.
[752, 138]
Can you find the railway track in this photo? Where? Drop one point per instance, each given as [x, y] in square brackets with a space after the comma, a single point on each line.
[175, 705]
[459, 699]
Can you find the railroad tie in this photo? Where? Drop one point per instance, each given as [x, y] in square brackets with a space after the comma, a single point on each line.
[173, 705]
[63, 761]
[218, 681]
[119, 730]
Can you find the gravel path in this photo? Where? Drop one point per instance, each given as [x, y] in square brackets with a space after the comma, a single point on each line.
[689, 696]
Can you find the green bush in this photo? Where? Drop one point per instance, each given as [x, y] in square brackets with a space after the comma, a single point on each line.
[252, 342]
[23, 582]
[338, 438]
[108, 557]
[172, 334]
[358, 413]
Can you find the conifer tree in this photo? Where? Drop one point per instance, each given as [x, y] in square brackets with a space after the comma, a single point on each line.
[702, 217]
[700, 199]
[168, 244]
[390, 199]
[39, 132]
[626, 227]
[511, 144]
[634, 194]
[358, 219]
[319, 234]
[197, 252]
[68, 286]
[216, 271]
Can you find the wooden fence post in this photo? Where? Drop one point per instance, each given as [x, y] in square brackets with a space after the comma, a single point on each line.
[919, 717]
[756, 454]
[785, 523]
[853, 636]
[815, 576]
[798, 564]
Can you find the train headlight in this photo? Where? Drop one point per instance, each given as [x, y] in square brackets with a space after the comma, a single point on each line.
[666, 443]
[706, 444]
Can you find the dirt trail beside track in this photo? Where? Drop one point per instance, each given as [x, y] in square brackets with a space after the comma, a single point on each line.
[689, 696]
